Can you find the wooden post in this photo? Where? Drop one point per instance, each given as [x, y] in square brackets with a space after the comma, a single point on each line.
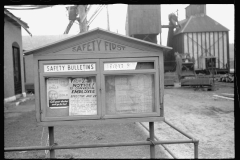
[152, 147]
[51, 141]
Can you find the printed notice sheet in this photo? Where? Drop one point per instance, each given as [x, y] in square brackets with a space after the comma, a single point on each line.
[57, 92]
[134, 94]
[83, 96]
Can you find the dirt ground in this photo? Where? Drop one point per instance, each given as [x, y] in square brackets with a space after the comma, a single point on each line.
[21, 130]
[201, 115]
[198, 113]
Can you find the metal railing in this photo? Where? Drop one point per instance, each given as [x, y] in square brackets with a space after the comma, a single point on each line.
[152, 141]
[191, 140]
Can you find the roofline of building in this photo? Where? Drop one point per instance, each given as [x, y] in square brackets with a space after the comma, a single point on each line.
[188, 21]
[88, 32]
[20, 22]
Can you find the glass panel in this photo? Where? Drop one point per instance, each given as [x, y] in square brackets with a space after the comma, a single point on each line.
[128, 66]
[72, 96]
[129, 94]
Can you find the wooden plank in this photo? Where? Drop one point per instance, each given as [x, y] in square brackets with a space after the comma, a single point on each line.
[102, 121]
[102, 88]
[205, 40]
[225, 49]
[220, 50]
[192, 46]
[223, 97]
[187, 43]
[195, 50]
[203, 44]
[199, 49]
[224, 63]
[207, 44]
[211, 42]
[196, 82]
[190, 42]
[228, 95]
[99, 55]
[228, 52]
[161, 78]
[36, 89]
[214, 46]
[216, 49]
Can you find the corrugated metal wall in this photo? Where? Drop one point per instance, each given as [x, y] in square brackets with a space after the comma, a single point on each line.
[204, 44]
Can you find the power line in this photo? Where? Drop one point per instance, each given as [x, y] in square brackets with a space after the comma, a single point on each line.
[90, 21]
[19, 7]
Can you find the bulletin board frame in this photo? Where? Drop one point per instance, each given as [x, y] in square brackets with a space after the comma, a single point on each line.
[73, 74]
[99, 73]
[97, 58]
[154, 72]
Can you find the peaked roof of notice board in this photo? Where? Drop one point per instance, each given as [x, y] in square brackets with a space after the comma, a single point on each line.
[97, 30]
[200, 23]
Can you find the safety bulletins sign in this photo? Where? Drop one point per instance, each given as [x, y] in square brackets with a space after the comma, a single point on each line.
[69, 67]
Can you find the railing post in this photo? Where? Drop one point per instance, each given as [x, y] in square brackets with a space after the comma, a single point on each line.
[51, 141]
[152, 146]
[196, 149]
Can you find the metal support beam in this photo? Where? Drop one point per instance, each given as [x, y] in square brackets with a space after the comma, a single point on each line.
[159, 140]
[152, 147]
[168, 26]
[51, 141]
[54, 147]
[185, 134]
[196, 150]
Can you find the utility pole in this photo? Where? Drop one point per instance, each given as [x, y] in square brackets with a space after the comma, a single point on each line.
[108, 19]
[82, 12]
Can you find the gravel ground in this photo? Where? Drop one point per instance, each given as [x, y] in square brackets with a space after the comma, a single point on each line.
[198, 113]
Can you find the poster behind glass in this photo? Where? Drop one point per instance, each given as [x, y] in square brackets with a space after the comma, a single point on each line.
[130, 94]
[78, 94]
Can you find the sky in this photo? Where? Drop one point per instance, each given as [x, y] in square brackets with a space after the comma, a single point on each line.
[54, 20]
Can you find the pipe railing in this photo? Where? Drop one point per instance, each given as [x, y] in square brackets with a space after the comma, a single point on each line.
[192, 140]
[152, 142]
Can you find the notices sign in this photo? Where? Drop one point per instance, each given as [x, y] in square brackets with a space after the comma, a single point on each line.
[57, 92]
[120, 66]
[83, 96]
